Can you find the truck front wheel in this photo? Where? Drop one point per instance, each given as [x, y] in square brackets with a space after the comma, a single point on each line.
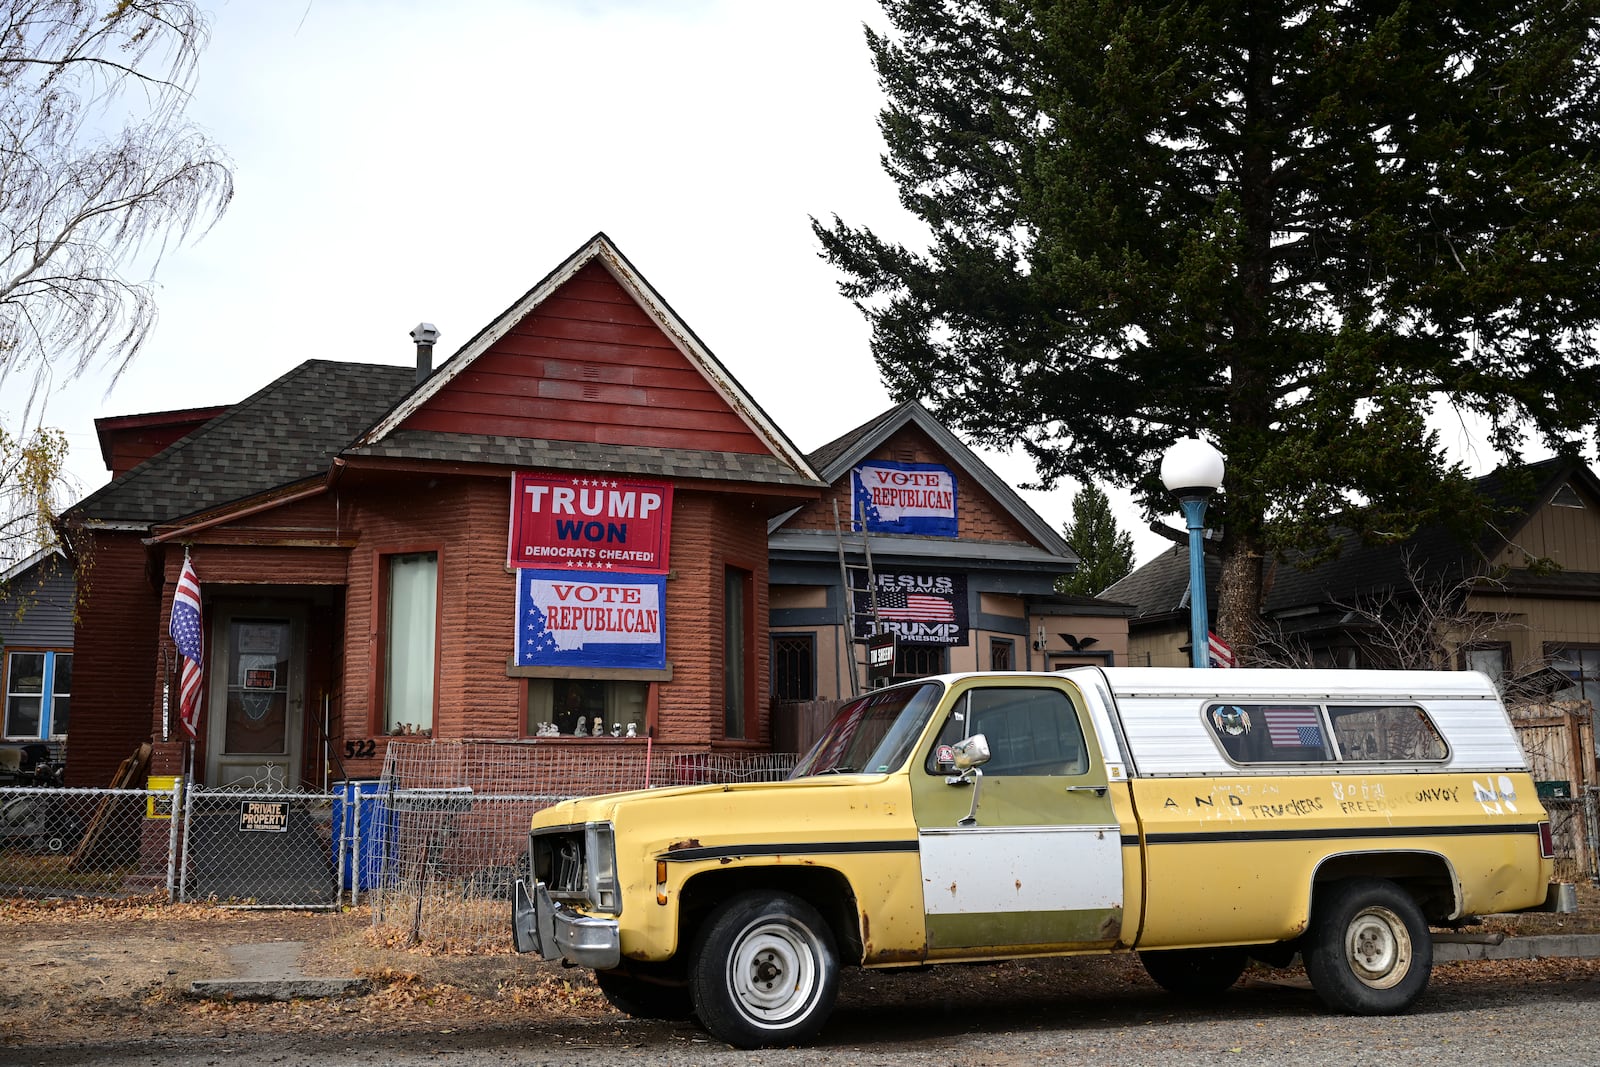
[764, 971]
[1368, 951]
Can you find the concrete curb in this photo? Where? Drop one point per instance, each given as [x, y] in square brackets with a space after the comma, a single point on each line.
[271, 971]
[1546, 946]
[277, 989]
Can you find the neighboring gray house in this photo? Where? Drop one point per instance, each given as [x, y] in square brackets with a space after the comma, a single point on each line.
[36, 607]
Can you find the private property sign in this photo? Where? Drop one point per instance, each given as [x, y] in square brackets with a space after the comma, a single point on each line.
[590, 620]
[589, 522]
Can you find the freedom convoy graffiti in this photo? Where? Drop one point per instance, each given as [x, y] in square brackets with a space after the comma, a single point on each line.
[922, 609]
[904, 498]
[591, 554]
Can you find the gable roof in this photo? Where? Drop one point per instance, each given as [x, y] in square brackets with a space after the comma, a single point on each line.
[836, 458]
[288, 431]
[1434, 553]
[387, 438]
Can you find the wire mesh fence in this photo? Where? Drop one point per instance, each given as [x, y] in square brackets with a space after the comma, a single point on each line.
[83, 842]
[453, 828]
[244, 848]
[1576, 834]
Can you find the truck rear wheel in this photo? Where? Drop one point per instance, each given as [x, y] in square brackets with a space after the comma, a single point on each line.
[1368, 951]
[765, 971]
[1195, 973]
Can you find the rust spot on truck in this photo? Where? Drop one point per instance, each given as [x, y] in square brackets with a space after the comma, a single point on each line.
[691, 842]
[952, 889]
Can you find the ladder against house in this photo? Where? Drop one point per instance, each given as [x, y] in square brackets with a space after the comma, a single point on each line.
[855, 578]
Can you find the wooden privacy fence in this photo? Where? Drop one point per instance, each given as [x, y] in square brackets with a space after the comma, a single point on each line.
[1558, 738]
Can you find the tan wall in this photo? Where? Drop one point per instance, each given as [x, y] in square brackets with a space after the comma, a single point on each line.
[1567, 536]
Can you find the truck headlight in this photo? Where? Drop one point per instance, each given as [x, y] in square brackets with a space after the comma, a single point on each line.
[601, 845]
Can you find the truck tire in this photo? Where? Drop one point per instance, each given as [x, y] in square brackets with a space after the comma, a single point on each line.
[1368, 951]
[1195, 973]
[764, 971]
[644, 1000]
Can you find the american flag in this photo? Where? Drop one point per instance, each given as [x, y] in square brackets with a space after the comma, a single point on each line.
[185, 630]
[914, 607]
[1293, 727]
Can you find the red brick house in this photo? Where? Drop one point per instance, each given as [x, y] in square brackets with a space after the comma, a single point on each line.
[349, 524]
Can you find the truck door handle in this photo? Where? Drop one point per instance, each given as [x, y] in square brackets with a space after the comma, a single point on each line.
[1097, 790]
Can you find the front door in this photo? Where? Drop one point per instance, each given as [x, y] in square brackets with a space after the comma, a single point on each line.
[1038, 864]
[256, 700]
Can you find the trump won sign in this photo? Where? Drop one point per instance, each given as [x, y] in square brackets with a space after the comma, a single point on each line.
[589, 522]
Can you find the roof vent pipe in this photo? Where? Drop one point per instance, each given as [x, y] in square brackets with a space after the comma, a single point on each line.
[424, 335]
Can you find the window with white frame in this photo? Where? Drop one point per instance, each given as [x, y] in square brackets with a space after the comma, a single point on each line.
[411, 599]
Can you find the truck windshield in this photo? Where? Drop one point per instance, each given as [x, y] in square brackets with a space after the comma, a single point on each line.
[872, 735]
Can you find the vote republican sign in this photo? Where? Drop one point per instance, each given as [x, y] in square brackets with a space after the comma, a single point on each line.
[589, 522]
[904, 498]
[590, 620]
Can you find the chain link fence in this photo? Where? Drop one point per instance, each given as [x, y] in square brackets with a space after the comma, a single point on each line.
[435, 844]
[454, 828]
[78, 842]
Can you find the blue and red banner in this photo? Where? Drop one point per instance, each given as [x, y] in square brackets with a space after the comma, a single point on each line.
[591, 620]
[590, 522]
[904, 498]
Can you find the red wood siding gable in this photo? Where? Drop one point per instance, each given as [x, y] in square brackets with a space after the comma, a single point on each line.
[588, 364]
[592, 355]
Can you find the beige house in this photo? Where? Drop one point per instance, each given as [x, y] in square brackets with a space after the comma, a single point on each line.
[1521, 604]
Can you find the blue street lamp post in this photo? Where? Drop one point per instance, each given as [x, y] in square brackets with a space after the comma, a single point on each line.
[1192, 470]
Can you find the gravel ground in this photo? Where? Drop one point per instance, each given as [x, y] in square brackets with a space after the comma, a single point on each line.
[107, 984]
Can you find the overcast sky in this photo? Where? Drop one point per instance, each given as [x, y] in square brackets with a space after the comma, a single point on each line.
[408, 160]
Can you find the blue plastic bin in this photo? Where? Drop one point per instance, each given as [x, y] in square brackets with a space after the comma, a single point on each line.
[363, 832]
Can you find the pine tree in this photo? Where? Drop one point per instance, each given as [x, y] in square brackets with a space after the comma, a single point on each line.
[1105, 552]
[1290, 227]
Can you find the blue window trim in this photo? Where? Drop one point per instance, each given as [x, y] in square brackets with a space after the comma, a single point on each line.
[47, 693]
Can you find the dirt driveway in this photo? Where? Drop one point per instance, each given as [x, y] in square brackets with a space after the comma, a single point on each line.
[104, 970]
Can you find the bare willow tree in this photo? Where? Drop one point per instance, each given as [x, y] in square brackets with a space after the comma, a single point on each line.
[99, 173]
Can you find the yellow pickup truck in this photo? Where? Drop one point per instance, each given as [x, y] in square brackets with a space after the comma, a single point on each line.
[1197, 817]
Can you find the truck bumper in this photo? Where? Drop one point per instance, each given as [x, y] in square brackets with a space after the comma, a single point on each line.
[540, 925]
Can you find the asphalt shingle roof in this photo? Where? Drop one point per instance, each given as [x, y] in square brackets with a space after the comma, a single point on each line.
[1435, 553]
[288, 431]
[762, 468]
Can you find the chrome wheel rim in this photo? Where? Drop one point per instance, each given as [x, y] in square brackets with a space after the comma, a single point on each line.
[773, 972]
[1377, 946]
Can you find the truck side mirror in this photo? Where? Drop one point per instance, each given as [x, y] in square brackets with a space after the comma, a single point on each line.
[971, 752]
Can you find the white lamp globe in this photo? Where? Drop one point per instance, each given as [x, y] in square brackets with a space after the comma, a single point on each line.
[1191, 464]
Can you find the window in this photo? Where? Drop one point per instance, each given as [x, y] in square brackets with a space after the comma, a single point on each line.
[1001, 654]
[1030, 732]
[1488, 660]
[737, 616]
[918, 661]
[38, 694]
[1399, 733]
[1582, 666]
[1270, 733]
[1300, 733]
[583, 707]
[411, 584]
[794, 666]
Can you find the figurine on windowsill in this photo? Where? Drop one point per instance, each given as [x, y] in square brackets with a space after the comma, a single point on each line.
[583, 727]
[633, 729]
[599, 728]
